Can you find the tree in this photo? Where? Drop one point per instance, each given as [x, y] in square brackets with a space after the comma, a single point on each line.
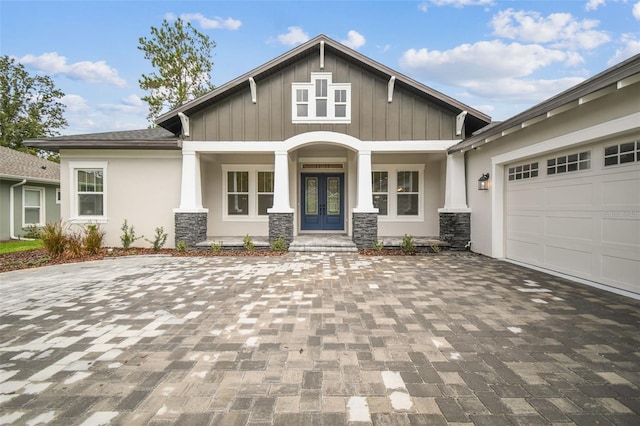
[181, 56]
[30, 106]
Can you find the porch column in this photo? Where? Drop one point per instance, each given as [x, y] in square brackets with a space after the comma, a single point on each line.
[281, 214]
[190, 217]
[455, 217]
[365, 216]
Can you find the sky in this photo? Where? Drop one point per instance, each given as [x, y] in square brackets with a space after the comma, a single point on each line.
[500, 57]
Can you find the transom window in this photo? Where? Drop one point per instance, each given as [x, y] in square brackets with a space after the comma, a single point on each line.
[628, 152]
[33, 206]
[321, 100]
[569, 163]
[397, 192]
[524, 171]
[248, 191]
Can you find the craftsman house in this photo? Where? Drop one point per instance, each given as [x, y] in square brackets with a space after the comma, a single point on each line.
[325, 140]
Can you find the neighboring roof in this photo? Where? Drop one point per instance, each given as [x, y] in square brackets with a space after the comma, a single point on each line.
[156, 138]
[21, 165]
[616, 77]
[171, 121]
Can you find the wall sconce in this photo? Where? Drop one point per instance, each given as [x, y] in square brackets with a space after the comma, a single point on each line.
[483, 182]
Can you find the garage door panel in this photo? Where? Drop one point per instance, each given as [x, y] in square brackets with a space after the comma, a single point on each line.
[527, 198]
[570, 260]
[526, 251]
[525, 224]
[621, 231]
[569, 195]
[622, 272]
[621, 192]
[580, 228]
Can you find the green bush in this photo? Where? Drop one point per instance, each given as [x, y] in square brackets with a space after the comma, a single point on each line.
[54, 239]
[128, 236]
[279, 244]
[181, 246]
[407, 245]
[378, 245]
[32, 232]
[74, 244]
[247, 243]
[93, 238]
[159, 240]
[216, 247]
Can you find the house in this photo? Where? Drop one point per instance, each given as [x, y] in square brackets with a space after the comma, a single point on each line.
[564, 182]
[325, 140]
[29, 192]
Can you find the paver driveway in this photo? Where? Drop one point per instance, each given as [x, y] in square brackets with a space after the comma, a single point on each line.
[314, 339]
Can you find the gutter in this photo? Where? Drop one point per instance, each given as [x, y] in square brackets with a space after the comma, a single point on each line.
[12, 218]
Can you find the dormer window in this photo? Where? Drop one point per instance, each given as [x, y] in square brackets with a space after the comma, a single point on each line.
[321, 100]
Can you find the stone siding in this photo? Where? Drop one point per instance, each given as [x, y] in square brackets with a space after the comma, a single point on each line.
[191, 228]
[455, 228]
[365, 230]
[281, 225]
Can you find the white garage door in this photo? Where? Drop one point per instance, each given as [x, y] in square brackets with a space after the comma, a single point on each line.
[578, 213]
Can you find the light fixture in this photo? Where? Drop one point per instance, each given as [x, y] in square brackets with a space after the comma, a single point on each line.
[483, 182]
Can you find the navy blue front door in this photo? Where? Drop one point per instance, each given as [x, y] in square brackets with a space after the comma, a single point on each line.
[322, 202]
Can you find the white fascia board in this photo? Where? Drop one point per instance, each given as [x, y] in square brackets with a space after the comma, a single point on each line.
[118, 153]
[629, 81]
[598, 94]
[563, 108]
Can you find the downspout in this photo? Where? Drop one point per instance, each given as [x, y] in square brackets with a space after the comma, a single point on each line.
[12, 218]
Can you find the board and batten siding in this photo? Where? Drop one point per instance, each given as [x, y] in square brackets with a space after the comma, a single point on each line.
[408, 117]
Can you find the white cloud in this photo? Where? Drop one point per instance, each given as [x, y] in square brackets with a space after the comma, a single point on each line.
[630, 47]
[594, 4]
[423, 7]
[75, 104]
[215, 23]
[462, 3]
[354, 40]
[295, 36]
[84, 117]
[94, 72]
[636, 11]
[558, 29]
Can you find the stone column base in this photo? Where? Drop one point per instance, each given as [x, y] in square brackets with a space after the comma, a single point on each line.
[455, 228]
[191, 228]
[365, 230]
[281, 225]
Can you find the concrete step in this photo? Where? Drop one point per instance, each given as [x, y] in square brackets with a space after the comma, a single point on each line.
[322, 243]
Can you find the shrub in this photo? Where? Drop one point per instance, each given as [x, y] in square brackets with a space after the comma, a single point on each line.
[435, 248]
[54, 239]
[159, 239]
[407, 244]
[93, 238]
[247, 243]
[181, 246]
[378, 245]
[216, 247]
[32, 232]
[128, 236]
[279, 244]
[74, 244]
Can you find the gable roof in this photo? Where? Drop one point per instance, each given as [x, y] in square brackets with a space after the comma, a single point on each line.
[171, 121]
[20, 165]
[618, 76]
[156, 138]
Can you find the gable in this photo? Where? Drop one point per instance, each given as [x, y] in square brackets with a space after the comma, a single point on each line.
[259, 104]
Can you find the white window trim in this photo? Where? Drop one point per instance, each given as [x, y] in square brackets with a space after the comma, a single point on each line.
[74, 166]
[617, 155]
[41, 219]
[253, 170]
[311, 101]
[392, 208]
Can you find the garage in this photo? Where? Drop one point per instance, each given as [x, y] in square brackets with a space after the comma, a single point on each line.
[577, 212]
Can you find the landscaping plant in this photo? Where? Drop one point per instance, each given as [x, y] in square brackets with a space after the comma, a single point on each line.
[128, 236]
[93, 238]
[181, 246]
[279, 244]
[407, 245]
[54, 239]
[247, 243]
[159, 239]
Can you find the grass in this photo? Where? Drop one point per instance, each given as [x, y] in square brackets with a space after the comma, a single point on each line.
[20, 245]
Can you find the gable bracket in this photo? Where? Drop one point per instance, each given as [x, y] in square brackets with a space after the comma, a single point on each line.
[322, 54]
[254, 92]
[390, 86]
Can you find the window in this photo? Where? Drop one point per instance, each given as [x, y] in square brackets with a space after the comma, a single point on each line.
[33, 207]
[380, 190]
[89, 191]
[321, 100]
[524, 171]
[265, 192]
[248, 191]
[405, 181]
[628, 152]
[569, 163]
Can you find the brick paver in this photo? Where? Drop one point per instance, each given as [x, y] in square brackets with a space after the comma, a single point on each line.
[314, 339]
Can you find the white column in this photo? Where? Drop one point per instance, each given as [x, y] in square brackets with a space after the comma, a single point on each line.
[191, 187]
[281, 184]
[455, 193]
[365, 197]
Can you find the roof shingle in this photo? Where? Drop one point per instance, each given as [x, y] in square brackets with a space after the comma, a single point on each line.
[21, 165]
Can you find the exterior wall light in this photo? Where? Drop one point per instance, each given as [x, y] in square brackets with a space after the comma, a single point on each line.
[483, 182]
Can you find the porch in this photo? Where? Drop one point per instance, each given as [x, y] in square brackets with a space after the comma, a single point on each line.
[330, 243]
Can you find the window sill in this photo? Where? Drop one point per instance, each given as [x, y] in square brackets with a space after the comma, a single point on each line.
[89, 219]
[245, 218]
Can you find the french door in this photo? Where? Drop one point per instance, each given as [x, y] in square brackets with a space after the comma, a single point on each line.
[322, 202]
